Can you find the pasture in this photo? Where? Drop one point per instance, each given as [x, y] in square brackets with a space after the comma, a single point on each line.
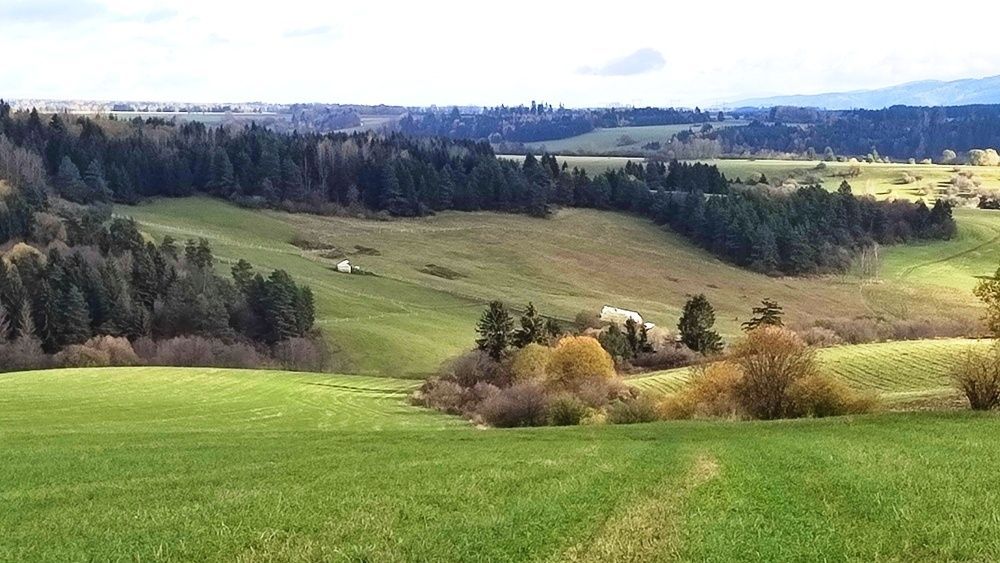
[623, 141]
[408, 318]
[237, 465]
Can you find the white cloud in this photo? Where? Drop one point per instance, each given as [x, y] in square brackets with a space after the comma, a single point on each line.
[450, 52]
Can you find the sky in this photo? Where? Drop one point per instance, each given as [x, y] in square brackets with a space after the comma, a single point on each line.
[579, 54]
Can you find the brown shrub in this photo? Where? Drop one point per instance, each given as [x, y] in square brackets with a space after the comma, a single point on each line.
[441, 394]
[977, 375]
[523, 404]
[640, 409]
[598, 392]
[475, 366]
[668, 357]
[823, 395]
[770, 360]
[579, 358]
[529, 363]
[819, 337]
[862, 330]
[206, 352]
[80, 356]
[22, 354]
[302, 354]
[145, 348]
[118, 349]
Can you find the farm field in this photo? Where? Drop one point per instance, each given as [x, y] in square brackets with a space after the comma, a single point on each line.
[897, 371]
[609, 141]
[410, 317]
[879, 180]
[240, 465]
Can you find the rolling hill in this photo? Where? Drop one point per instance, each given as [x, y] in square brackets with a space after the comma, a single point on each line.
[240, 465]
[434, 275]
[921, 93]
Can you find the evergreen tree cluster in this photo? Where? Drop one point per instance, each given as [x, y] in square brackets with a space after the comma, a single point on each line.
[107, 280]
[806, 231]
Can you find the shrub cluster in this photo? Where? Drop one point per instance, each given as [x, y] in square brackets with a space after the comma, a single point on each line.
[572, 382]
[294, 354]
[862, 330]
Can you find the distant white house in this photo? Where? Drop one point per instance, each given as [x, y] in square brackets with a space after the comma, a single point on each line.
[618, 316]
[344, 266]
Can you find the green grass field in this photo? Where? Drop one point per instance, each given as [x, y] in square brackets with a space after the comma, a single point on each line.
[610, 141]
[899, 372]
[406, 321]
[174, 464]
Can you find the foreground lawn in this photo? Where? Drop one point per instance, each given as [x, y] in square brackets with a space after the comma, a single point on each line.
[235, 465]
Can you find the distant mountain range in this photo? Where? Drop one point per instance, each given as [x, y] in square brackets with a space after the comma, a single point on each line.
[922, 93]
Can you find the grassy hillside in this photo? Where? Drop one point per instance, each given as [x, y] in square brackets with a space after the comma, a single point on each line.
[233, 465]
[898, 371]
[436, 273]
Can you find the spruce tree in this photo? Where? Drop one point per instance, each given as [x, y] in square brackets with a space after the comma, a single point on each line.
[495, 330]
[532, 328]
[768, 314]
[696, 324]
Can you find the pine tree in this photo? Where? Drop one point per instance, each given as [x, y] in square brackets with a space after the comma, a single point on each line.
[305, 310]
[69, 183]
[495, 330]
[223, 179]
[97, 186]
[243, 274]
[532, 328]
[696, 324]
[72, 318]
[768, 314]
[615, 343]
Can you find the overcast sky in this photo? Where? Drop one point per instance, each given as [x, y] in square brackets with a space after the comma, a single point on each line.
[477, 53]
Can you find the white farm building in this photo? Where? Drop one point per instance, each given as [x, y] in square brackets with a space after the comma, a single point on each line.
[344, 266]
[618, 316]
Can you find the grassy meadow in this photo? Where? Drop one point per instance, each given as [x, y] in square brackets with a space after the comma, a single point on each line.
[189, 464]
[610, 141]
[435, 274]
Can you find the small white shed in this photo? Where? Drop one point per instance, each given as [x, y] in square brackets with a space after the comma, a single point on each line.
[344, 266]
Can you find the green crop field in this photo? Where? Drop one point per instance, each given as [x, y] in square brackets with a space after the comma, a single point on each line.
[879, 180]
[409, 318]
[626, 141]
[188, 464]
[898, 371]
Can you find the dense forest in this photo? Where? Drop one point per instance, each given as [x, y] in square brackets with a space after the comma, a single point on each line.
[538, 122]
[901, 132]
[801, 232]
